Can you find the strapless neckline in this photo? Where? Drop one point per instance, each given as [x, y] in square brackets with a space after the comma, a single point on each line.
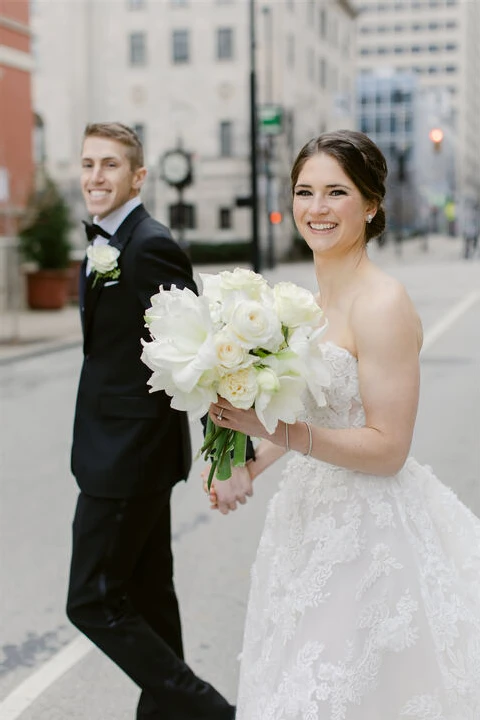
[331, 344]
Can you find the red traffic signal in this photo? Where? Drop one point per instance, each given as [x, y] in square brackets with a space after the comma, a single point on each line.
[436, 136]
[275, 217]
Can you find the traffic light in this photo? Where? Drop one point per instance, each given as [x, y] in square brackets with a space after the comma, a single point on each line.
[275, 217]
[436, 136]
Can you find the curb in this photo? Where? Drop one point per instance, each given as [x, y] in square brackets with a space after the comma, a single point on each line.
[41, 349]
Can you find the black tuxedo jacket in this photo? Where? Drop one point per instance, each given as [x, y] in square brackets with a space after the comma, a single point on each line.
[127, 441]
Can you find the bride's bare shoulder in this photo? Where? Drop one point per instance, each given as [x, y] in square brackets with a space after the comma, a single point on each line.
[384, 300]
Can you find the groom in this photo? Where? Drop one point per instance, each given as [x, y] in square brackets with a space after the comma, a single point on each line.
[129, 446]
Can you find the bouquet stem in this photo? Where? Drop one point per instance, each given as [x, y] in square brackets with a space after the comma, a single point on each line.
[223, 447]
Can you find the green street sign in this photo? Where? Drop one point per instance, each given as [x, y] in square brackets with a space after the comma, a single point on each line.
[270, 119]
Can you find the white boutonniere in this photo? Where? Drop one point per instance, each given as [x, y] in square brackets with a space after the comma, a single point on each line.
[104, 261]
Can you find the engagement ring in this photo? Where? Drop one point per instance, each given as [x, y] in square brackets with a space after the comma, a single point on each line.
[220, 414]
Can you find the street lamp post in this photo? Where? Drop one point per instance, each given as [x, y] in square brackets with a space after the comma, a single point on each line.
[255, 245]
[176, 170]
[268, 140]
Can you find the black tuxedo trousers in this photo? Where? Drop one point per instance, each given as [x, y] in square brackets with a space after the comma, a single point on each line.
[122, 597]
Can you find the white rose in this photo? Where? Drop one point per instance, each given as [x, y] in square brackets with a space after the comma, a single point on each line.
[251, 283]
[239, 388]
[229, 351]
[296, 305]
[103, 258]
[256, 325]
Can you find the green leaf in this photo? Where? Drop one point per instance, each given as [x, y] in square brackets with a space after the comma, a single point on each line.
[224, 469]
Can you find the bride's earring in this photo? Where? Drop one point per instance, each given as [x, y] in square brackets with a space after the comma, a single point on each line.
[369, 218]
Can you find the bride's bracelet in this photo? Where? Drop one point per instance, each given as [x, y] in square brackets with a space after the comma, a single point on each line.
[310, 439]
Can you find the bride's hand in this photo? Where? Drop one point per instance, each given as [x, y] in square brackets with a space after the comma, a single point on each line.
[225, 415]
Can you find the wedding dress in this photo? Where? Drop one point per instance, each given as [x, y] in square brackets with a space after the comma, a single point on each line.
[365, 594]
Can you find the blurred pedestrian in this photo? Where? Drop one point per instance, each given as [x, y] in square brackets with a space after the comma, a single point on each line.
[471, 229]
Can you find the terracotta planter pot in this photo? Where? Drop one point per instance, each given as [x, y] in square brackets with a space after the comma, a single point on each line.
[48, 289]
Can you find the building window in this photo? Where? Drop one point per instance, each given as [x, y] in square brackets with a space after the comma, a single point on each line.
[182, 215]
[323, 73]
[226, 138]
[290, 51]
[310, 64]
[138, 49]
[225, 218]
[180, 50]
[323, 23]
[310, 13]
[224, 44]
[334, 79]
[139, 129]
[136, 4]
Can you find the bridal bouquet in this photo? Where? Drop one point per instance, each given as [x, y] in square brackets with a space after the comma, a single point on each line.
[253, 344]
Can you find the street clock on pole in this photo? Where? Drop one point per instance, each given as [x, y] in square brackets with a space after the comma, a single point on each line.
[176, 168]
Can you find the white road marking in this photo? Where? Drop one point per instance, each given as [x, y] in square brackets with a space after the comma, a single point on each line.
[437, 330]
[30, 689]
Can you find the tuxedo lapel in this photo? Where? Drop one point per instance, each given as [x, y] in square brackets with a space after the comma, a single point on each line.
[119, 240]
[124, 233]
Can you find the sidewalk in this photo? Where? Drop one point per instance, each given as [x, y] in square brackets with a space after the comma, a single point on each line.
[35, 332]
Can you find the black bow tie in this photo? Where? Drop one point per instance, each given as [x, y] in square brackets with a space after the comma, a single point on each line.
[93, 230]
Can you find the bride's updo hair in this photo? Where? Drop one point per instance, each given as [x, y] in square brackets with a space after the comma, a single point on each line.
[360, 159]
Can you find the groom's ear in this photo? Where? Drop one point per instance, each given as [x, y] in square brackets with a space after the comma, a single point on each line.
[138, 179]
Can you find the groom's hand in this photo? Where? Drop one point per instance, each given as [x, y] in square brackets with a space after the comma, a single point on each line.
[225, 494]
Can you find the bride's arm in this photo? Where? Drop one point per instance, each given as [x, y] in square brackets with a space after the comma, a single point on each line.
[266, 453]
[386, 331]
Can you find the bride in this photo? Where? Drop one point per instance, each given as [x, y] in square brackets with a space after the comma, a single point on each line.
[365, 594]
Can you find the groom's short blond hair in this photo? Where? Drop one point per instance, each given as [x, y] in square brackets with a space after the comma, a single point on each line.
[123, 134]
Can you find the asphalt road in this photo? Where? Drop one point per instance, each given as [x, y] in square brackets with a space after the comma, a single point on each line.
[47, 672]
